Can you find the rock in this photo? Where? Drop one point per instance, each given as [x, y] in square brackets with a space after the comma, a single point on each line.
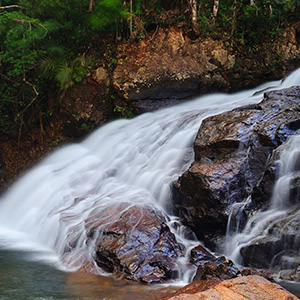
[135, 244]
[200, 255]
[231, 157]
[86, 105]
[168, 65]
[276, 245]
[195, 287]
[217, 268]
[280, 248]
[242, 288]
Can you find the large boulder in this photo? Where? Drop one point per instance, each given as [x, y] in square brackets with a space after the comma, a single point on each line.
[242, 288]
[134, 242]
[231, 156]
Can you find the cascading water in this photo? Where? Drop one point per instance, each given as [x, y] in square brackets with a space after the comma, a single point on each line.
[132, 162]
[273, 226]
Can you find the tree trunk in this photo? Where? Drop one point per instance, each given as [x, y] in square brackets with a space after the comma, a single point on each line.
[131, 17]
[253, 5]
[193, 10]
[215, 8]
[91, 5]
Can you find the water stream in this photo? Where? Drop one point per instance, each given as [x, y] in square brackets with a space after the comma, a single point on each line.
[133, 161]
[282, 215]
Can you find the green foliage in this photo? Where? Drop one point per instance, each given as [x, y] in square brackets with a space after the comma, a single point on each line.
[43, 45]
[124, 111]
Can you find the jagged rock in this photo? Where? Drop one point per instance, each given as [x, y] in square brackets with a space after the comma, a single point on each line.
[200, 255]
[135, 243]
[231, 155]
[242, 288]
[217, 268]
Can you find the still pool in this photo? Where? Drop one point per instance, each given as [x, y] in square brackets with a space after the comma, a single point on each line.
[22, 278]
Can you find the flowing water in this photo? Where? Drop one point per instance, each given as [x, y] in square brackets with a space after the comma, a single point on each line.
[282, 214]
[132, 161]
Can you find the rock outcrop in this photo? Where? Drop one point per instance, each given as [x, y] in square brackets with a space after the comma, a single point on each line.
[231, 156]
[167, 64]
[242, 288]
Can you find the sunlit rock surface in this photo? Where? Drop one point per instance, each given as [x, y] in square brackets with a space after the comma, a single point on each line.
[242, 288]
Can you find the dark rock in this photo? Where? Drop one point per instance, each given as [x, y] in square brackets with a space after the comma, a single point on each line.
[135, 243]
[199, 255]
[86, 105]
[278, 243]
[278, 250]
[219, 267]
[231, 156]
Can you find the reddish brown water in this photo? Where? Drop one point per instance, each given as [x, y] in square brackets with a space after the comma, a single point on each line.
[90, 287]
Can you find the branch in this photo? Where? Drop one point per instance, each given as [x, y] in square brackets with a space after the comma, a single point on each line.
[33, 87]
[10, 6]
[29, 22]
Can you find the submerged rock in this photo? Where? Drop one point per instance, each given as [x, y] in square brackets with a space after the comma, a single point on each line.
[135, 243]
[231, 156]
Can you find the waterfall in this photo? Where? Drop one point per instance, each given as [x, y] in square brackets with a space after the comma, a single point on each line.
[127, 161]
[275, 222]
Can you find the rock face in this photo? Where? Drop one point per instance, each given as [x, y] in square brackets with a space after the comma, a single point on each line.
[242, 288]
[86, 105]
[231, 156]
[136, 243]
[169, 65]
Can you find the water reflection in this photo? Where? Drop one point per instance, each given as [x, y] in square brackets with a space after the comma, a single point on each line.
[24, 279]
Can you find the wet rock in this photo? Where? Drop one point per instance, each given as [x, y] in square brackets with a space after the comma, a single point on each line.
[217, 268]
[231, 156]
[134, 242]
[242, 288]
[277, 243]
[200, 255]
[278, 250]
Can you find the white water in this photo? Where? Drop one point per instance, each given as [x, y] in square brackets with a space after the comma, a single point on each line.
[123, 162]
[283, 209]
